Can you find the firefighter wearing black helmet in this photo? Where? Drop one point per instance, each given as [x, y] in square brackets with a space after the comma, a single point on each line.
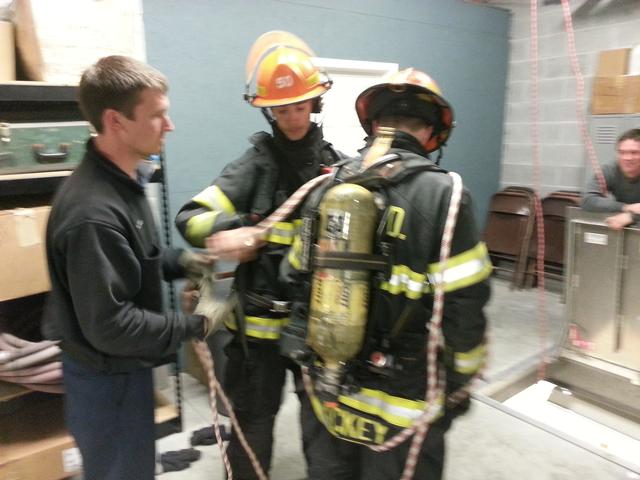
[383, 389]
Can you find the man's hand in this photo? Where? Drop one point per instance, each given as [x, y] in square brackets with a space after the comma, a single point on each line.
[189, 297]
[240, 245]
[619, 221]
[631, 208]
[196, 265]
[214, 310]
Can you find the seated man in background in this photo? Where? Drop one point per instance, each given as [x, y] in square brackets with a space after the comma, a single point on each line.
[623, 184]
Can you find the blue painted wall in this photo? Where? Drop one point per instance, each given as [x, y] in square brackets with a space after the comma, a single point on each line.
[201, 45]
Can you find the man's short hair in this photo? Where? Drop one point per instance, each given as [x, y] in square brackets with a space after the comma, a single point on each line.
[633, 134]
[116, 82]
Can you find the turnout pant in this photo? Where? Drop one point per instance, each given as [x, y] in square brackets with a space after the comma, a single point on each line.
[254, 386]
[111, 420]
[330, 458]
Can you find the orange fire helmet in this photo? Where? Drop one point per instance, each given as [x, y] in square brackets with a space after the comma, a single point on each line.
[284, 73]
[411, 93]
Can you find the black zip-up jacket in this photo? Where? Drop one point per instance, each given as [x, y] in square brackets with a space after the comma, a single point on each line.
[106, 266]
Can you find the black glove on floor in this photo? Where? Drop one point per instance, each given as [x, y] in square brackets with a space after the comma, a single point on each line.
[206, 436]
[178, 460]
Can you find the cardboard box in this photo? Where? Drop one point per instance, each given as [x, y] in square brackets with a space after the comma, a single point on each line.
[616, 85]
[615, 104]
[618, 94]
[164, 409]
[35, 444]
[634, 61]
[613, 62]
[29, 63]
[22, 252]
[7, 53]
[9, 391]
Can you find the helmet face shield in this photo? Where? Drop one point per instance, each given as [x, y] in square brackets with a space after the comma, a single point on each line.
[283, 71]
[409, 93]
[408, 103]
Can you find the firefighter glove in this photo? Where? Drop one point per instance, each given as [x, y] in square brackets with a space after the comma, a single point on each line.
[196, 265]
[214, 308]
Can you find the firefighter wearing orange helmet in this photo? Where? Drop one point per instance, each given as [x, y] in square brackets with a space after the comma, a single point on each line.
[364, 399]
[288, 87]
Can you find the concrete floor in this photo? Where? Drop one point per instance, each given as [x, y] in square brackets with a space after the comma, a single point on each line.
[486, 444]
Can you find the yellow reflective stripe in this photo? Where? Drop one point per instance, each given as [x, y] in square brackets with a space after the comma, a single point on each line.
[267, 322]
[475, 253]
[284, 226]
[462, 270]
[368, 427]
[349, 426]
[294, 252]
[484, 269]
[259, 327]
[280, 240]
[470, 362]
[199, 227]
[397, 411]
[214, 199]
[282, 233]
[404, 280]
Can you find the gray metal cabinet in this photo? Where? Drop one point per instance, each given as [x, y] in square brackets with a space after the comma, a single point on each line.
[603, 293]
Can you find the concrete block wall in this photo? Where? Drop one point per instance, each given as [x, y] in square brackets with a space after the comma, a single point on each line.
[598, 25]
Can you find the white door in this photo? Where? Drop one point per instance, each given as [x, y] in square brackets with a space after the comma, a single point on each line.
[350, 77]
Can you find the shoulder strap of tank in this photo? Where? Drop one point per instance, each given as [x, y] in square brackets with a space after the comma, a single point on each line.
[309, 226]
[331, 155]
[390, 169]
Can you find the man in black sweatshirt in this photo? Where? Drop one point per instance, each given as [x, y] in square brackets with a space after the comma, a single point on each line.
[106, 266]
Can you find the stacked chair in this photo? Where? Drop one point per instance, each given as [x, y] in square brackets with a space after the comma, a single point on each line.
[554, 214]
[509, 227]
[511, 236]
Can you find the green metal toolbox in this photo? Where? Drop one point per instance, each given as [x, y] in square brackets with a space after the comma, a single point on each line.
[41, 147]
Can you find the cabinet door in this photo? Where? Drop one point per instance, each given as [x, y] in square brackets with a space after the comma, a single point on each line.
[629, 335]
[595, 279]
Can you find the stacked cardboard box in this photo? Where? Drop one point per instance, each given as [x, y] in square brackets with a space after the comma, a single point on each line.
[22, 252]
[613, 90]
[35, 444]
[7, 52]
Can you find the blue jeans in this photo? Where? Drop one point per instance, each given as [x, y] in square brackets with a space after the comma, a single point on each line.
[111, 418]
